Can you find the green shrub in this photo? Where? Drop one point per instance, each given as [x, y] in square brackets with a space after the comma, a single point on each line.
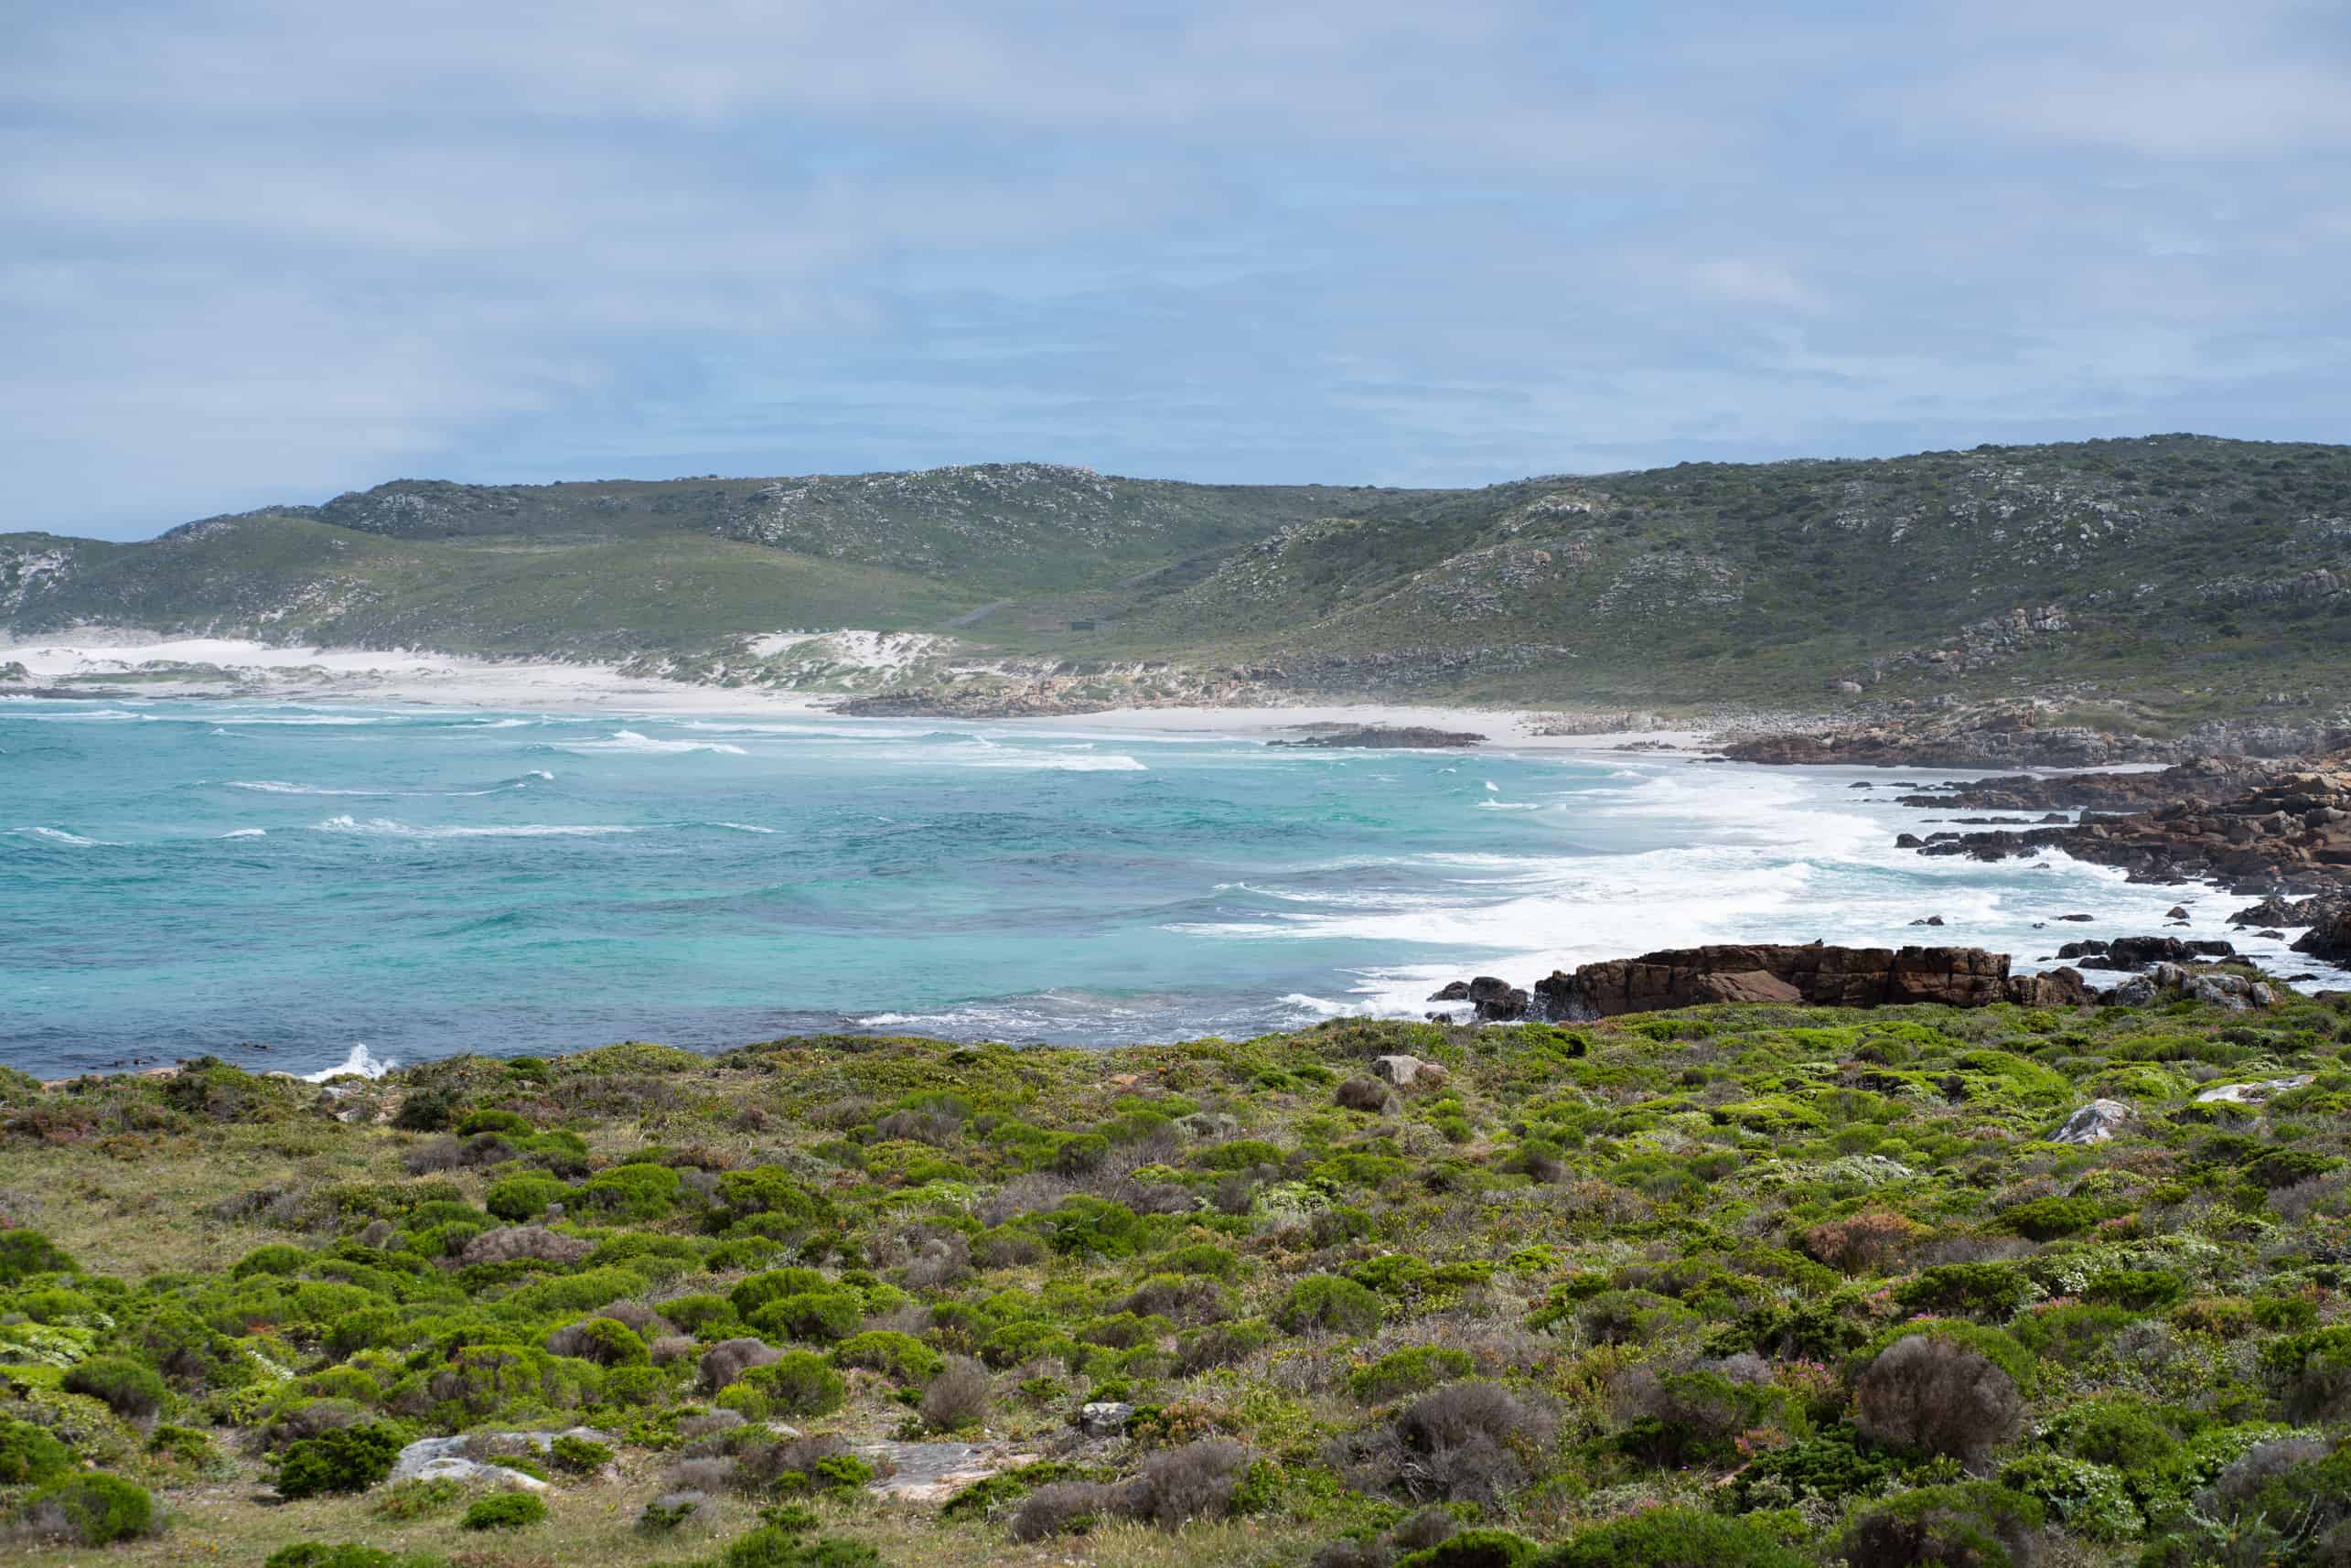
[2311, 1373]
[772, 1547]
[350, 1459]
[1989, 1291]
[23, 1253]
[1828, 1465]
[902, 1355]
[275, 1258]
[2051, 1219]
[633, 1192]
[2087, 1499]
[1473, 1549]
[344, 1554]
[2118, 1430]
[2140, 1290]
[749, 1295]
[93, 1508]
[1673, 1538]
[1409, 1371]
[525, 1196]
[820, 1315]
[1973, 1525]
[30, 1454]
[798, 1383]
[579, 1456]
[1328, 1303]
[129, 1389]
[180, 1444]
[506, 1510]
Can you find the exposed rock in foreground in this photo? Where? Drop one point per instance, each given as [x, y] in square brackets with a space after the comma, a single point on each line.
[1812, 975]
[1392, 737]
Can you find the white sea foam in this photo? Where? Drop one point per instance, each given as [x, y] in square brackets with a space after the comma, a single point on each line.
[501, 724]
[281, 787]
[361, 1063]
[1320, 1007]
[1062, 762]
[384, 827]
[246, 833]
[744, 827]
[630, 740]
[59, 835]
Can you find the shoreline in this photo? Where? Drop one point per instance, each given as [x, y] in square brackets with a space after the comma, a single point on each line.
[264, 673]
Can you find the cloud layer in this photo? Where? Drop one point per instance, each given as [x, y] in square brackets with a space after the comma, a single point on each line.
[267, 249]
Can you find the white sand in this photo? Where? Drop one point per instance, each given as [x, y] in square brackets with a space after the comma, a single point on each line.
[402, 675]
[1510, 727]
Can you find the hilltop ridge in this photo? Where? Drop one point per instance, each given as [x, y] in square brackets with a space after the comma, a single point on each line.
[2147, 583]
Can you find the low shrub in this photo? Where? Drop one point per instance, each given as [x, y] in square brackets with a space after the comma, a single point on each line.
[1473, 1549]
[902, 1355]
[1931, 1393]
[2311, 1374]
[30, 1454]
[579, 1456]
[1971, 1525]
[1410, 1372]
[26, 1252]
[506, 1510]
[345, 1554]
[1330, 1303]
[796, 1383]
[347, 1460]
[1674, 1538]
[1464, 1442]
[93, 1508]
[130, 1389]
[960, 1396]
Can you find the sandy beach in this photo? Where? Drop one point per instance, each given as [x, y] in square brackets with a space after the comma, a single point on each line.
[221, 667]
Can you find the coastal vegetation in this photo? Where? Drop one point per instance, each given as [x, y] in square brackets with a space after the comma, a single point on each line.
[2145, 585]
[1744, 1285]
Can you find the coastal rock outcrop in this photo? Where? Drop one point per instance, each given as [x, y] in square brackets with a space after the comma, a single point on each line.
[2330, 939]
[2289, 835]
[1390, 737]
[1813, 973]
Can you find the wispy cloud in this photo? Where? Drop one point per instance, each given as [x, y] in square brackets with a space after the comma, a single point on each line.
[258, 249]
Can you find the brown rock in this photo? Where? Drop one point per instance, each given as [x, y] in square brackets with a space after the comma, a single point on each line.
[1817, 974]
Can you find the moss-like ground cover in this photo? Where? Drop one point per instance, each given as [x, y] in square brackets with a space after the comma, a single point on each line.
[1740, 1285]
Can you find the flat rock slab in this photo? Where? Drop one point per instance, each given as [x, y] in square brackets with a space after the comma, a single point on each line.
[2251, 1093]
[934, 1472]
[447, 1458]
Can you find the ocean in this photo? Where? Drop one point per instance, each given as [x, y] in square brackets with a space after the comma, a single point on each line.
[312, 886]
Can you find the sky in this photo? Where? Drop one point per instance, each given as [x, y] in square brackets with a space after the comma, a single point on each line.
[255, 250]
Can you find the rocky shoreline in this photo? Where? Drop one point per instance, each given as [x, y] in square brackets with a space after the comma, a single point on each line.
[1814, 974]
[2283, 832]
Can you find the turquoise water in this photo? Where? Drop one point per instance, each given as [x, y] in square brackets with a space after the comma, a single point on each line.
[187, 877]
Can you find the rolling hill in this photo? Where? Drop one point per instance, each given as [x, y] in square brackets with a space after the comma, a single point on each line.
[2179, 573]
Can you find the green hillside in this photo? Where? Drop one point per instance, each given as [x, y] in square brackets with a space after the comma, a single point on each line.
[2180, 569]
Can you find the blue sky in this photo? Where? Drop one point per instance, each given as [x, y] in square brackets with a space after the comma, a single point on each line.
[264, 250]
